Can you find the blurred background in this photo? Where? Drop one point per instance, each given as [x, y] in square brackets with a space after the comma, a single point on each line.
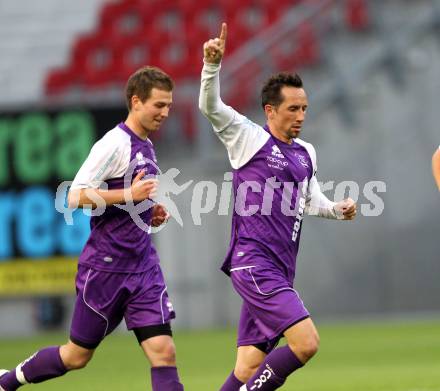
[372, 73]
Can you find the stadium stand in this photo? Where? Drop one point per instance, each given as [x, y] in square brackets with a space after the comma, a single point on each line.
[32, 32]
[169, 34]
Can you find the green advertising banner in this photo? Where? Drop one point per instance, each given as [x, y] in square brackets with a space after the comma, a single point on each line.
[38, 151]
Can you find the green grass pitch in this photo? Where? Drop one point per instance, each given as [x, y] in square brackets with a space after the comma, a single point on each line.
[376, 356]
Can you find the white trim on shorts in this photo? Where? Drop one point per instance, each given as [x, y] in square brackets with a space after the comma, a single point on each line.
[273, 292]
[161, 307]
[241, 268]
[88, 305]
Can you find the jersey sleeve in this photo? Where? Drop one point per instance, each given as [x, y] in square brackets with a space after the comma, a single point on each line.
[106, 160]
[317, 204]
[241, 137]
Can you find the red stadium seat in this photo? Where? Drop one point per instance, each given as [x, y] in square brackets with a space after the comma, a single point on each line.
[308, 45]
[173, 58]
[302, 49]
[196, 35]
[123, 18]
[356, 15]
[129, 55]
[60, 80]
[169, 19]
[93, 60]
[248, 22]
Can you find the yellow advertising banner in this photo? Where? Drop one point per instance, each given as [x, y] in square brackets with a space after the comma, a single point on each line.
[37, 277]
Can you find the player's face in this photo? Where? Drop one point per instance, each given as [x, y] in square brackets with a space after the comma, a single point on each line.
[287, 119]
[151, 113]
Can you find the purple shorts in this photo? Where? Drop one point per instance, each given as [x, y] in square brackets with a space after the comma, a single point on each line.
[104, 298]
[270, 305]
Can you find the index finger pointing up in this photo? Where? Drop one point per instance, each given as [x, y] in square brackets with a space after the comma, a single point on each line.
[224, 32]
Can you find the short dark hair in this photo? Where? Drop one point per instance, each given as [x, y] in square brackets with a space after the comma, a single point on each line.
[271, 92]
[144, 80]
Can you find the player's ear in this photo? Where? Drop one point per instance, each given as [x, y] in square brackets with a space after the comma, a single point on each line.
[135, 102]
[269, 110]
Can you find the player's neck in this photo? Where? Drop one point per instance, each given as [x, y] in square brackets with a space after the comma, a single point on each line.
[279, 135]
[136, 128]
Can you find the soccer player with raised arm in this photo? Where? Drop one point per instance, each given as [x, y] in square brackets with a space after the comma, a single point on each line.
[436, 167]
[119, 275]
[274, 182]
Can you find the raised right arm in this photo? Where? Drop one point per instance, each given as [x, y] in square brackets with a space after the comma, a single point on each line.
[210, 103]
[241, 137]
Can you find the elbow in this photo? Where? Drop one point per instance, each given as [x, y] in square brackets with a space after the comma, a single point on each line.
[207, 112]
[210, 111]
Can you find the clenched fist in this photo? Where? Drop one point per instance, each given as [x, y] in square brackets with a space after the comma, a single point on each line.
[346, 209]
[160, 215]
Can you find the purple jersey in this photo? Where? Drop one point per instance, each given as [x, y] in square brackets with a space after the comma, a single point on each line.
[274, 185]
[116, 242]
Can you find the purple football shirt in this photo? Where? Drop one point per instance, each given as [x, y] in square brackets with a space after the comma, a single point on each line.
[117, 243]
[273, 184]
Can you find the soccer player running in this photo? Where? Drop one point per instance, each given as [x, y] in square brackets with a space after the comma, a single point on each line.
[436, 167]
[273, 171]
[118, 273]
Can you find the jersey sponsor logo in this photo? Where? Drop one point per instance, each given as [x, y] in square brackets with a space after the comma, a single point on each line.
[276, 163]
[302, 160]
[140, 159]
[276, 159]
[277, 152]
